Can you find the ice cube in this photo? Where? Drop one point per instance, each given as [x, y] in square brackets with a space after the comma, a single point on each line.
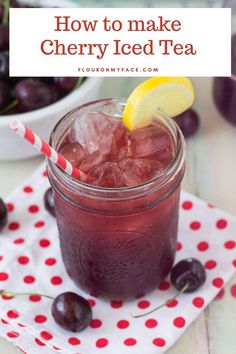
[152, 142]
[119, 147]
[73, 152]
[107, 175]
[91, 160]
[113, 108]
[139, 171]
[93, 132]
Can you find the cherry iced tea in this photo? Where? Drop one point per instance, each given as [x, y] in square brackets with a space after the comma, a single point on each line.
[118, 227]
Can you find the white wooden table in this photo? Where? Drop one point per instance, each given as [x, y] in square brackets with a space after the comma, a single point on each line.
[211, 174]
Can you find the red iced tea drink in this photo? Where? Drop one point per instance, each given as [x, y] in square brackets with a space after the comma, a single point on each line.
[118, 227]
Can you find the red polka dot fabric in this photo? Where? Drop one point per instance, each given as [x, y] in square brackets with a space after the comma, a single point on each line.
[30, 262]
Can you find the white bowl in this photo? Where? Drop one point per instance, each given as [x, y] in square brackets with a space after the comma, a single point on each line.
[42, 121]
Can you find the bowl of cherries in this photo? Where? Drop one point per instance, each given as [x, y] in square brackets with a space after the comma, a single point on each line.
[38, 102]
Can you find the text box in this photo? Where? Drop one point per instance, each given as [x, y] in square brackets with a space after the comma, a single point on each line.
[120, 42]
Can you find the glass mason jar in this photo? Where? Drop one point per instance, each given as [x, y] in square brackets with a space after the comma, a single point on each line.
[117, 242]
[224, 88]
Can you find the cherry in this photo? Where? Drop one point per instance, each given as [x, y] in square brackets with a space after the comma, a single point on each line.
[4, 36]
[1, 12]
[14, 80]
[49, 201]
[71, 311]
[188, 122]
[186, 276]
[47, 79]
[66, 84]
[55, 92]
[189, 273]
[233, 54]
[3, 214]
[4, 65]
[32, 94]
[5, 94]
[14, 3]
[26, 94]
[13, 110]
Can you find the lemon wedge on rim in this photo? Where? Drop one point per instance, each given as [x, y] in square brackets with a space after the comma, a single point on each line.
[171, 95]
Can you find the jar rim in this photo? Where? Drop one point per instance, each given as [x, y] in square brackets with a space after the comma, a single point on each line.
[169, 171]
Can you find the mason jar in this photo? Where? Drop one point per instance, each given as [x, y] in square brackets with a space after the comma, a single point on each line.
[117, 242]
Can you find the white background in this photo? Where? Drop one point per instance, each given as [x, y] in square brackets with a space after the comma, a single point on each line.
[209, 30]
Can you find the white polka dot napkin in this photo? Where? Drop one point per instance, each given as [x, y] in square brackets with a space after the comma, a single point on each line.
[30, 262]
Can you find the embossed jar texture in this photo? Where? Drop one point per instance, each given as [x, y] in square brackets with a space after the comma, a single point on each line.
[118, 243]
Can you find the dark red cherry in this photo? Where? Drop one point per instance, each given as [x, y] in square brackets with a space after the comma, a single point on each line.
[188, 122]
[66, 84]
[49, 201]
[14, 3]
[4, 36]
[233, 54]
[189, 272]
[13, 110]
[1, 12]
[71, 311]
[46, 79]
[5, 94]
[32, 94]
[4, 65]
[3, 214]
[55, 92]
[186, 276]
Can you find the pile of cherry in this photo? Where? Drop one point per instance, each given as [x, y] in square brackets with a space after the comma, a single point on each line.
[18, 95]
[73, 312]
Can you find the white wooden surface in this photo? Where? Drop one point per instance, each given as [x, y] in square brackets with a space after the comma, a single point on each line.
[211, 174]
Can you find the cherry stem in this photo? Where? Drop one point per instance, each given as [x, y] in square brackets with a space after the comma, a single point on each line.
[6, 5]
[10, 106]
[10, 294]
[164, 304]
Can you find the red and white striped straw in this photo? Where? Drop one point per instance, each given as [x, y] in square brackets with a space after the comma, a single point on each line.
[42, 146]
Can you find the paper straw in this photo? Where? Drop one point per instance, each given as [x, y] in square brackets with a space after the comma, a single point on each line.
[42, 146]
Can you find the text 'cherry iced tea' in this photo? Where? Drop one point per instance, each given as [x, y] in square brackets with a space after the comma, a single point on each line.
[118, 228]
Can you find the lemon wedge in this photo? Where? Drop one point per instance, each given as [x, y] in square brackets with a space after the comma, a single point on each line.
[171, 95]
